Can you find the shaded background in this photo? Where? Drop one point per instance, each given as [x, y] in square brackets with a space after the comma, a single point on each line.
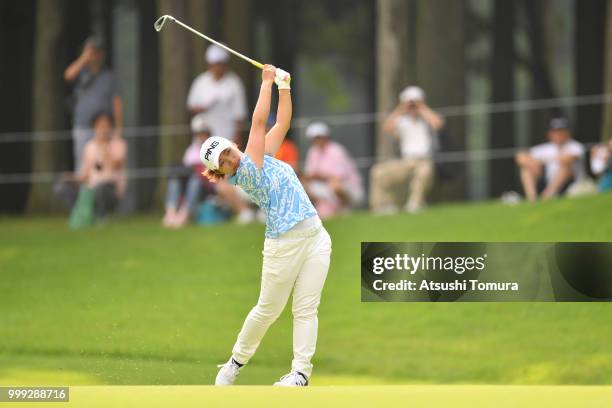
[349, 59]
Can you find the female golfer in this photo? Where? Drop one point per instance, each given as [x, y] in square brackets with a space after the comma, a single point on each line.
[297, 248]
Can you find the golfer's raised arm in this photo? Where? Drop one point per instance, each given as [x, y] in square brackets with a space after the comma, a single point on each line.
[257, 136]
[277, 134]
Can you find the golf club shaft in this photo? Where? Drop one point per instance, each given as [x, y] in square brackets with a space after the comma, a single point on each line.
[236, 53]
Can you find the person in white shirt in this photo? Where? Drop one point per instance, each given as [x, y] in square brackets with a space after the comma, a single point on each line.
[218, 95]
[551, 167]
[416, 125]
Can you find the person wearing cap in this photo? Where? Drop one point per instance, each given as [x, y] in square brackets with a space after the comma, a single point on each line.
[330, 174]
[186, 184]
[218, 95]
[297, 248]
[551, 167]
[95, 91]
[416, 125]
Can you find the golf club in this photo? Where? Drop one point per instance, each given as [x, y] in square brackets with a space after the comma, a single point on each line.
[159, 24]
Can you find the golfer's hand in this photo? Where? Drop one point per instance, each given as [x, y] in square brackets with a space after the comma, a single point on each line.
[282, 79]
[267, 75]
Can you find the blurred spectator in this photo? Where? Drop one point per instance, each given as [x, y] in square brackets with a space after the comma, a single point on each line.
[187, 187]
[551, 167]
[416, 125]
[102, 174]
[288, 150]
[95, 91]
[601, 165]
[289, 153]
[218, 96]
[330, 175]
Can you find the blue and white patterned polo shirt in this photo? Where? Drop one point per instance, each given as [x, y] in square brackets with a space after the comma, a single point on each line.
[276, 189]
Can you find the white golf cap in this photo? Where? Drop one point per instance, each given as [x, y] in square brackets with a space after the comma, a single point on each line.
[216, 55]
[211, 150]
[412, 93]
[199, 124]
[317, 129]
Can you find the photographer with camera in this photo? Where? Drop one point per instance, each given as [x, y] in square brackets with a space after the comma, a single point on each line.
[95, 90]
[416, 125]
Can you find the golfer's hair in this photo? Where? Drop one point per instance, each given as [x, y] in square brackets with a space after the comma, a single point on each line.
[215, 175]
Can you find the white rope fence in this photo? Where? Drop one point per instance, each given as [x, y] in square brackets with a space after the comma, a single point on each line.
[361, 163]
[335, 120]
[300, 123]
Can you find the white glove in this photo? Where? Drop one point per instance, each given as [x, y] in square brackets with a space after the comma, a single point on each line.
[282, 79]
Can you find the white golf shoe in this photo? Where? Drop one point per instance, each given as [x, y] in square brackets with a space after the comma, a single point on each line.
[228, 373]
[293, 379]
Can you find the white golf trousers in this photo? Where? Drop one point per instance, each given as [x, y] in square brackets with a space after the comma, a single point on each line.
[298, 260]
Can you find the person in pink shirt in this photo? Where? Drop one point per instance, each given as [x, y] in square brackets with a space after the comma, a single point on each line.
[330, 175]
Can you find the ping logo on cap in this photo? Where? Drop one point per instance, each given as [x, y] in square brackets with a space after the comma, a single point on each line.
[210, 149]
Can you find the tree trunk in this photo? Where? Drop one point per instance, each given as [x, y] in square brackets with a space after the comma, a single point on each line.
[283, 20]
[199, 11]
[395, 53]
[606, 130]
[174, 81]
[542, 86]
[590, 34]
[127, 56]
[48, 110]
[238, 36]
[441, 67]
[501, 133]
[16, 41]
[148, 102]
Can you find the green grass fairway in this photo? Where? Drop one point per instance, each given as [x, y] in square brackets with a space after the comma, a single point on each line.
[415, 396]
[129, 303]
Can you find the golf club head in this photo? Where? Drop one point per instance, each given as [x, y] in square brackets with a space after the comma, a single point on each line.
[159, 24]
